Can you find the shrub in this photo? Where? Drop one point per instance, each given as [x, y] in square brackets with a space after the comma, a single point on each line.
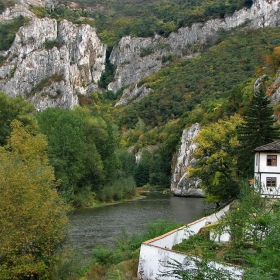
[45, 83]
[120, 189]
[145, 52]
[49, 44]
[8, 30]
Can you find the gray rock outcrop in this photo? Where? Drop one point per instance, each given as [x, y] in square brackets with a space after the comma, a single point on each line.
[133, 93]
[136, 58]
[180, 184]
[51, 63]
[273, 90]
[15, 11]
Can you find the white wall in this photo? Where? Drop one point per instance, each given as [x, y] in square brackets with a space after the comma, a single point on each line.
[156, 253]
[262, 171]
[176, 236]
[260, 164]
[153, 259]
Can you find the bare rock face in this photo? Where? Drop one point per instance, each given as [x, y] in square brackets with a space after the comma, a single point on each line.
[134, 93]
[275, 91]
[17, 10]
[180, 184]
[52, 63]
[136, 58]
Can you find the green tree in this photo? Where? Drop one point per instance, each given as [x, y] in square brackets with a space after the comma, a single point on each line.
[216, 159]
[264, 264]
[94, 130]
[258, 129]
[81, 149]
[126, 162]
[11, 109]
[8, 30]
[108, 75]
[101, 132]
[141, 171]
[65, 134]
[33, 219]
[159, 171]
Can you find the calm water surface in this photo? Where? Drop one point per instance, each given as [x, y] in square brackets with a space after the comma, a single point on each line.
[100, 225]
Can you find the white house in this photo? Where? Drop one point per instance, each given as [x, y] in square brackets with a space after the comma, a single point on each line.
[267, 168]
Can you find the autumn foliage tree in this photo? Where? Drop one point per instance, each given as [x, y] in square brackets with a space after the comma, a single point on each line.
[33, 219]
[216, 159]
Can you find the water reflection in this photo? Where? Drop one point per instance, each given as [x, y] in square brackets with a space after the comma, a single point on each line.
[100, 225]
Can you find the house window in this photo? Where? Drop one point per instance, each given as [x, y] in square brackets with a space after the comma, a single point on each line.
[271, 160]
[271, 182]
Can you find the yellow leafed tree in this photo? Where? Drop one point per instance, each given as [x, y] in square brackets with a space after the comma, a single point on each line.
[33, 221]
[216, 156]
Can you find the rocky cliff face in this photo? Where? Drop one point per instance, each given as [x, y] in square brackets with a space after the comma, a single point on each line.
[135, 58]
[52, 63]
[74, 59]
[180, 184]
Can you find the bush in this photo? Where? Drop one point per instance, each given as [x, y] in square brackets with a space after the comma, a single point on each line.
[70, 268]
[45, 83]
[8, 30]
[145, 52]
[49, 44]
[120, 189]
[83, 197]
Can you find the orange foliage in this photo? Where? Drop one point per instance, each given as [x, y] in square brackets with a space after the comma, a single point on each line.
[268, 60]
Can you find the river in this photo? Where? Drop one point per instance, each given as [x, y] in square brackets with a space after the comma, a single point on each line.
[100, 225]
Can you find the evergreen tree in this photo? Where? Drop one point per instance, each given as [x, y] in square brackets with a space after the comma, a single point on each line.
[258, 129]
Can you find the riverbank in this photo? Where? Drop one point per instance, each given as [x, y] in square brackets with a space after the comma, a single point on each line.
[103, 230]
[141, 193]
[103, 204]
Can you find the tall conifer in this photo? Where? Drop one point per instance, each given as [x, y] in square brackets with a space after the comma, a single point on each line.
[258, 129]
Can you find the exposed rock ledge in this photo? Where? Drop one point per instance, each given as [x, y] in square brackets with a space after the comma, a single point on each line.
[134, 93]
[180, 184]
[73, 61]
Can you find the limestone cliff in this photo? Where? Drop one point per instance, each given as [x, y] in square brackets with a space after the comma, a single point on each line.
[135, 58]
[180, 185]
[51, 63]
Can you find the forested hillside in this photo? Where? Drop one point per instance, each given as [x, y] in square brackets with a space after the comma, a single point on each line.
[212, 86]
[115, 19]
